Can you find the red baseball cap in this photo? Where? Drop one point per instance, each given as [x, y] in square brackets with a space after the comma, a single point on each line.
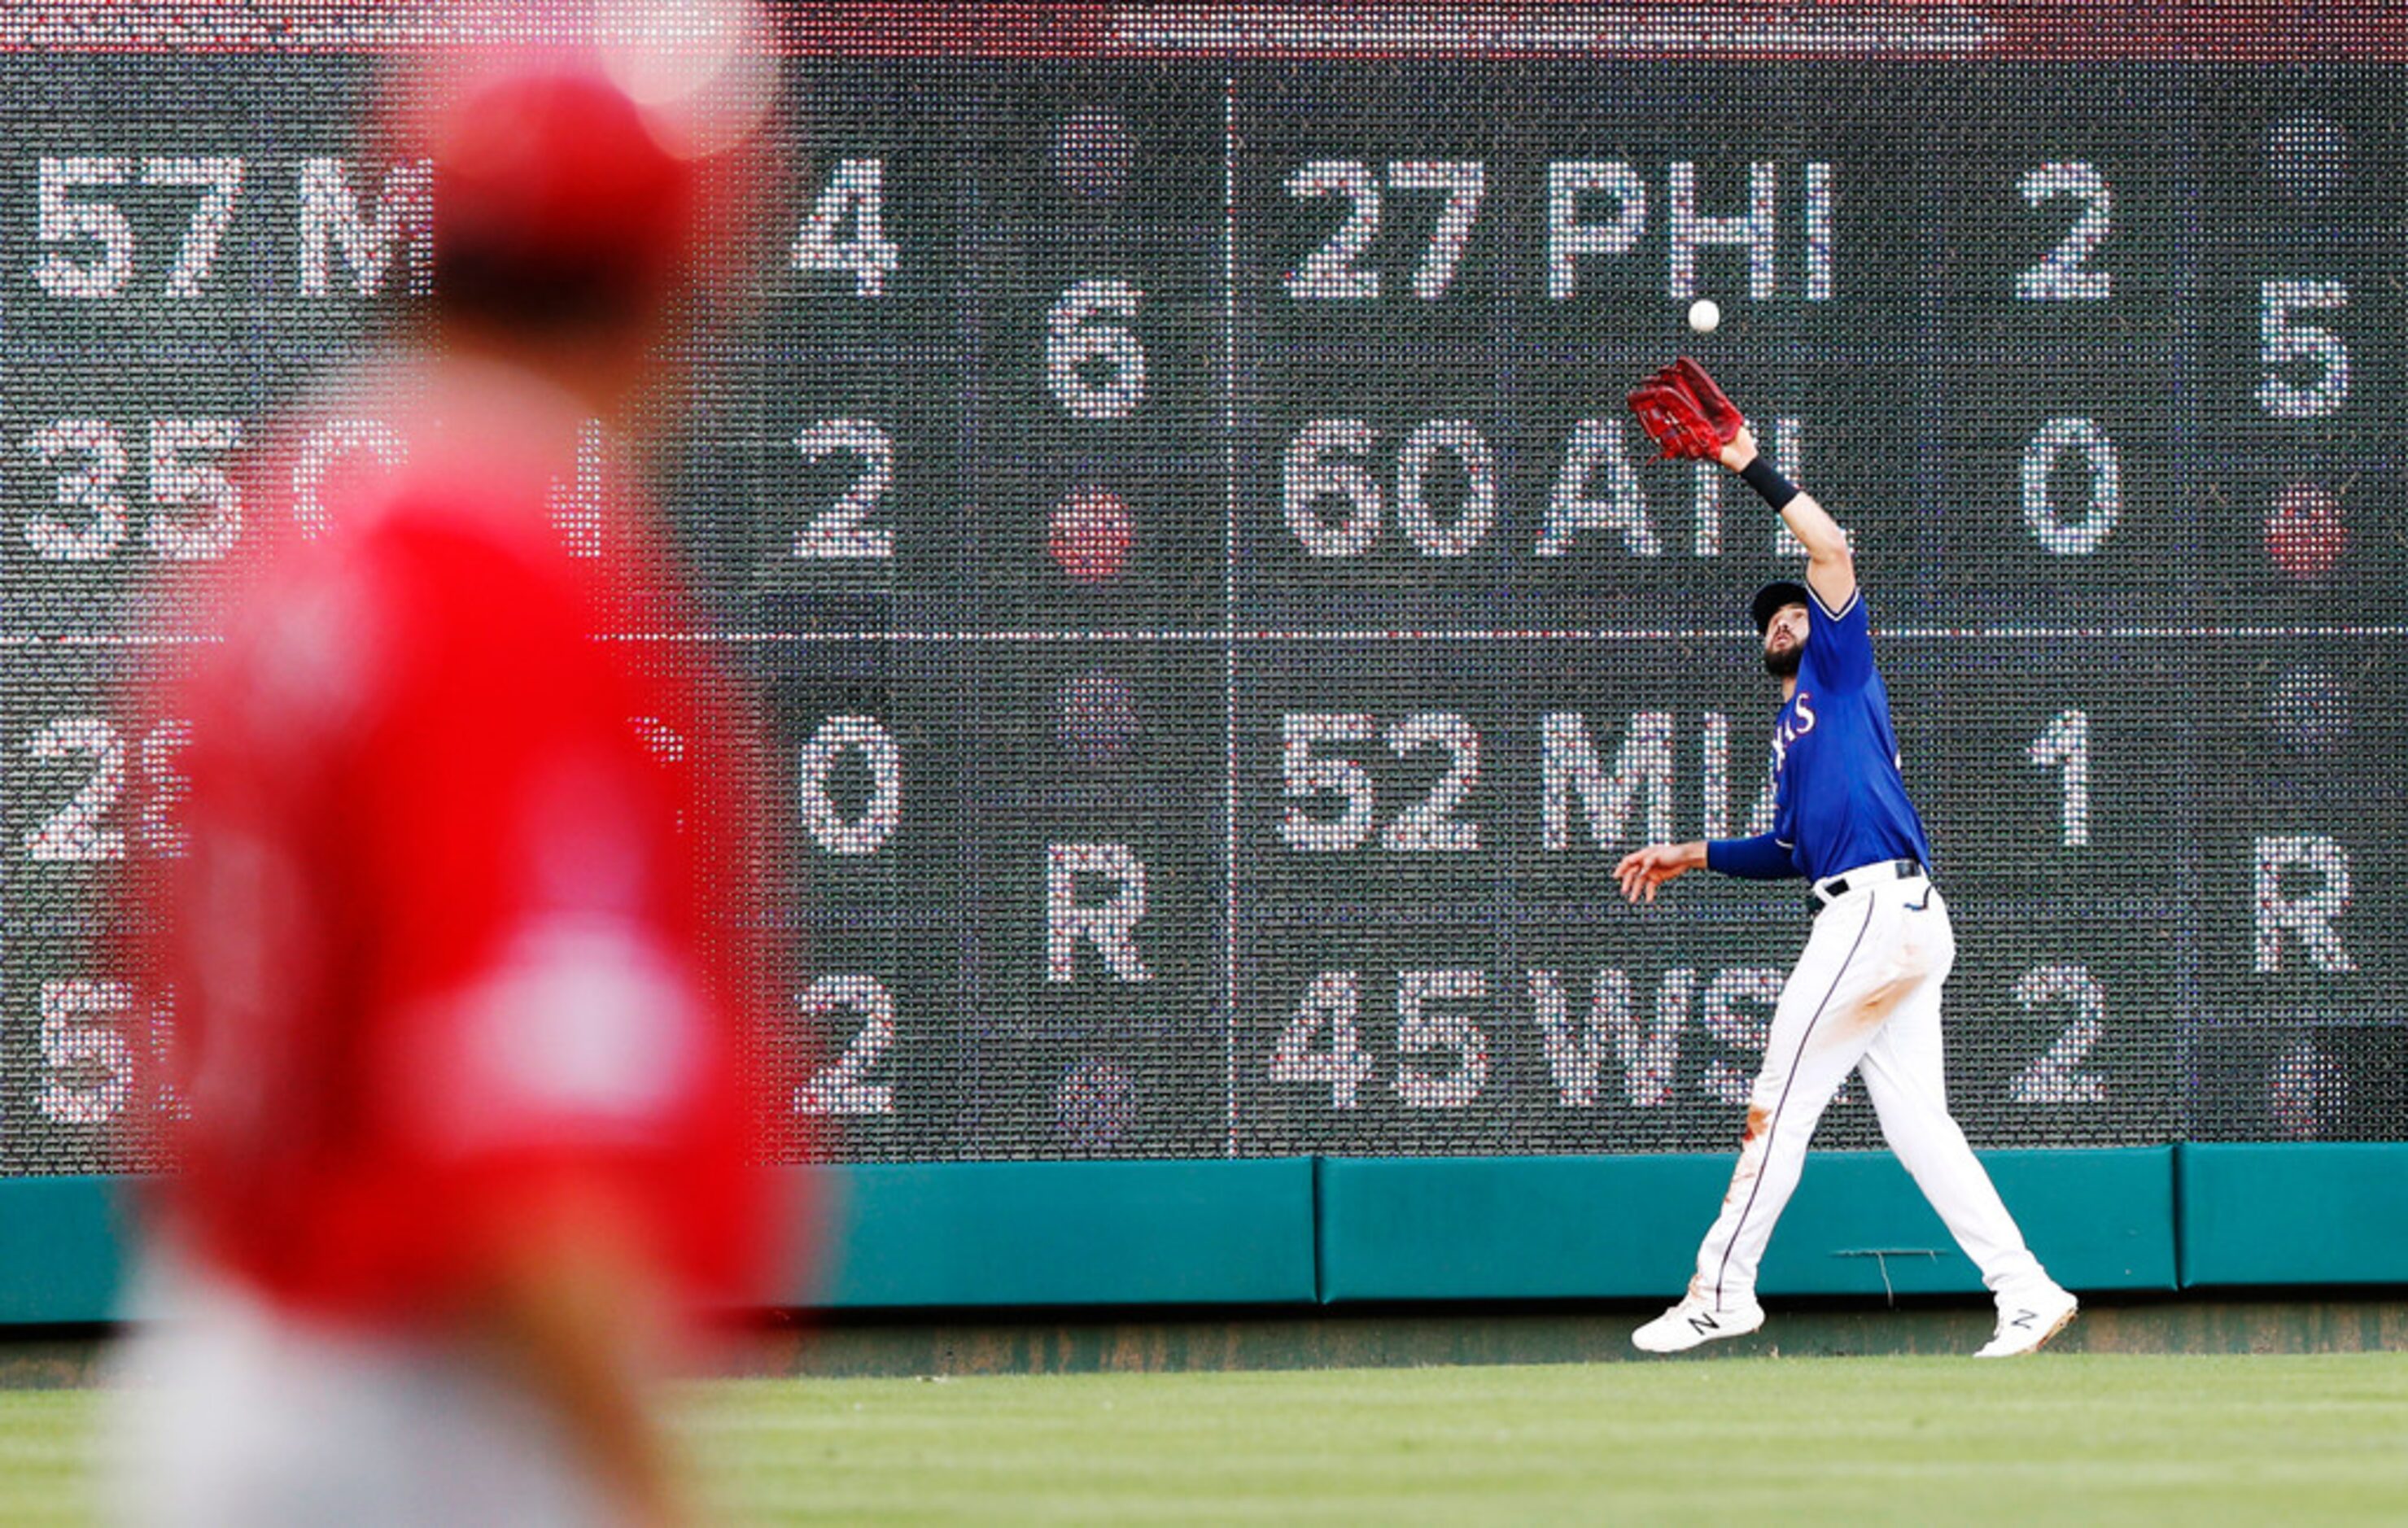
[581, 177]
[553, 195]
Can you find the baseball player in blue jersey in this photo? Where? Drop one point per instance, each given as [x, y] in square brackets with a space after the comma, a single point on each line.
[1865, 994]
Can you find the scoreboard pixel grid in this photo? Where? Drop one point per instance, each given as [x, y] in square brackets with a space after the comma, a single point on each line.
[1219, 626]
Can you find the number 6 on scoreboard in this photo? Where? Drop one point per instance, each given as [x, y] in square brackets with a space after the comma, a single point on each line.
[1096, 367]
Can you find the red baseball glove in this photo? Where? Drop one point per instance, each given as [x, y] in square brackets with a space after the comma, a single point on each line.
[1684, 412]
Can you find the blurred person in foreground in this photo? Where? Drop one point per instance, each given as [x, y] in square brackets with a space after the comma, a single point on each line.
[469, 1148]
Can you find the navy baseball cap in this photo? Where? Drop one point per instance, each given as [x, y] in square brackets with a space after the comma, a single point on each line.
[1771, 597]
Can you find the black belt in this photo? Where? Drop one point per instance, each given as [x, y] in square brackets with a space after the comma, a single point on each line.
[1827, 891]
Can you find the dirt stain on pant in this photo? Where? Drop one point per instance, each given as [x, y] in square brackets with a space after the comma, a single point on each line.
[1899, 978]
[1759, 1120]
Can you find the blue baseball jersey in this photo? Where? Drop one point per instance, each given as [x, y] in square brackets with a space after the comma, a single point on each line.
[1837, 799]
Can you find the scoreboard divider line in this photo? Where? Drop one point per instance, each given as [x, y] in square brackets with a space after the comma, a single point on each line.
[2185, 857]
[1621, 32]
[21, 641]
[1229, 611]
[1656, 634]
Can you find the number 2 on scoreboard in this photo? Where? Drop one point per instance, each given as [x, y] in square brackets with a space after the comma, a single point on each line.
[839, 531]
[2062, 276]
[1331, 271]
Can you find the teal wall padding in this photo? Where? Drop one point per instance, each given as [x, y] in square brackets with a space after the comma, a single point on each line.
[2098, 1219]
[1294, 1230]
[61, 1249]
[1606, 1227]
[1069, 1234]
[1507, 1228]
[2297, 1214]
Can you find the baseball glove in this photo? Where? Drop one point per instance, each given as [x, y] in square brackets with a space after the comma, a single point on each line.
[1684, 412]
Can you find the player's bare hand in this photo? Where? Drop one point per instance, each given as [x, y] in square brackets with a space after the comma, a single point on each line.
[1642, 870]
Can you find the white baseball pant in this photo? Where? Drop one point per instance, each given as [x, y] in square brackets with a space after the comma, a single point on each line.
[1865, 995]
[227, 1412]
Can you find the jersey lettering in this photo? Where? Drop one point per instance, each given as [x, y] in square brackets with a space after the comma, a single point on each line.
[1793, 725]
[1840, 803]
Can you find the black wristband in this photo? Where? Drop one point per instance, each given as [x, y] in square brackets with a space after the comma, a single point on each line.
[1771, 486]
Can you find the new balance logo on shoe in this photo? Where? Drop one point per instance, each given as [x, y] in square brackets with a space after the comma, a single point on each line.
[2024, 1329]
[1695, 1320]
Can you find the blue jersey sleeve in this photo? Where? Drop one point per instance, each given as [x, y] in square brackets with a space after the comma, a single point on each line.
[1840, 643]
[1763, 857]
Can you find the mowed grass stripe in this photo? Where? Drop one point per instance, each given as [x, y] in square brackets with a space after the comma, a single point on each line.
[2063, 1438]
[2069, 1437]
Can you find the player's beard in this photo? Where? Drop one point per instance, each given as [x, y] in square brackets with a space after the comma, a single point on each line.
[1782, 663]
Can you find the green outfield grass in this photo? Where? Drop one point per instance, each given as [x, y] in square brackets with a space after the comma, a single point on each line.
[2061, 1438]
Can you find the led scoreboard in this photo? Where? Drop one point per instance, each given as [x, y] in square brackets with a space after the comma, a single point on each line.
[1218, 623]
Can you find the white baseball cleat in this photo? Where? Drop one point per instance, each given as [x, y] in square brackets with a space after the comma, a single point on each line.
[1695, 1321]
[2025, 1325]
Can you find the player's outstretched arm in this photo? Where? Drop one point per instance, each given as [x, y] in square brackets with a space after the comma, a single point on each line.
[1685, 410]
[1830, 569]
[1642, 870]
[573, 1308]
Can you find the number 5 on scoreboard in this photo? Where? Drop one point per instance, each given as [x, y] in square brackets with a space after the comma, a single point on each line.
[69, 217]
[1428, 825]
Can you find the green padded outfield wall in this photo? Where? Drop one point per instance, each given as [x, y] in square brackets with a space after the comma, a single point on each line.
[1592, 1227]
[1294, 1231]
[64, 1249]
[2276, 1215]
[1068, 1233]
[1218, 623]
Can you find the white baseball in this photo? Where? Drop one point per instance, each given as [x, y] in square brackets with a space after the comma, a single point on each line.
[1705, 315]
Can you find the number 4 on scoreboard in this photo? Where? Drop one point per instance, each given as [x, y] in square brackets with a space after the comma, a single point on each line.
[855, 195]
[1329, 1003]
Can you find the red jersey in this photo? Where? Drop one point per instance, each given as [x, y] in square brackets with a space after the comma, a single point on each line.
[440, 943]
